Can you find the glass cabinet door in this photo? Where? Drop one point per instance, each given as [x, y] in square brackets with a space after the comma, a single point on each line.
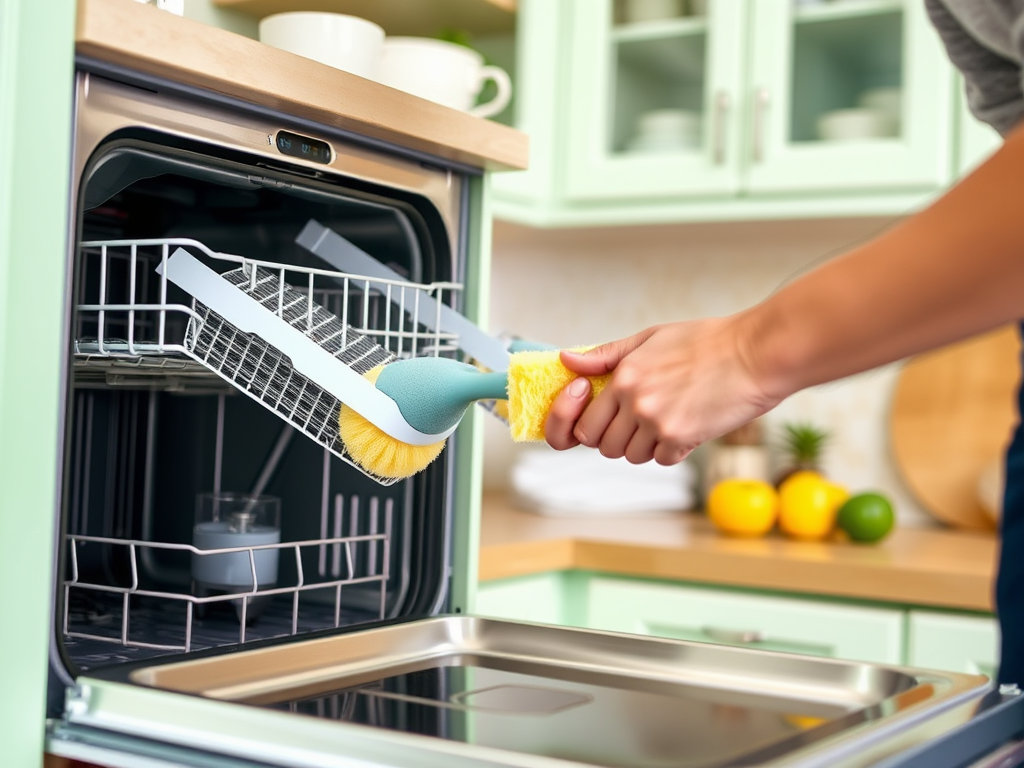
[652, 99]
[846, 95]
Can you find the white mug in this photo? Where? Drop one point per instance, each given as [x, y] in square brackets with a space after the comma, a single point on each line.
[345, 42]
[443, 72]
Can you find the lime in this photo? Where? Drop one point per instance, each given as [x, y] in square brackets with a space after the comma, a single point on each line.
[866, 517]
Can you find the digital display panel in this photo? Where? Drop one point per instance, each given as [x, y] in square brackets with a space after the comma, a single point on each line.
[302, 146]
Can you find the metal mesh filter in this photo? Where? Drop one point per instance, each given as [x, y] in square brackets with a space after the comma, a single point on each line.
[265, 374]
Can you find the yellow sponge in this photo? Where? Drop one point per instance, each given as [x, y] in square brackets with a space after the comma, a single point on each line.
[378, 452]
[534, 380]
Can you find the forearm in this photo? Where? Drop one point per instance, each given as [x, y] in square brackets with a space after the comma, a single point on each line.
[953, 270]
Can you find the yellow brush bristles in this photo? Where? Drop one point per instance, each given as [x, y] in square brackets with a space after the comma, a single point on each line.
[534, 380]
[376, 451]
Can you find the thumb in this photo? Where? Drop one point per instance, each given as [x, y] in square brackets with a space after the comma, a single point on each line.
[604, 358]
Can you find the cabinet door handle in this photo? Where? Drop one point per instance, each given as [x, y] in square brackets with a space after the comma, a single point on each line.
[760, 108]
[734, 636]
[718, 127]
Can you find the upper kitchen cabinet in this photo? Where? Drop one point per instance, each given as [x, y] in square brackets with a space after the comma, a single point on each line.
[645, 111]
[846, 95]
[652, 98]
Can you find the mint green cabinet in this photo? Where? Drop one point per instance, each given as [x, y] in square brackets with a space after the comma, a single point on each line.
[752, 621]
[652, 104]
[755, 90]
[913, 637]
[953, 642]
[537, 64]
[36, 61]
[701, 614]
[815, 68]
[539, 598]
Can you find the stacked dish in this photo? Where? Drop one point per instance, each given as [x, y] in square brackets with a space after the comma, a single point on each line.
[877, 115]
[666, 130]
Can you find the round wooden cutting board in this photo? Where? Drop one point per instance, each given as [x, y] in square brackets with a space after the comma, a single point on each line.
[952, 414]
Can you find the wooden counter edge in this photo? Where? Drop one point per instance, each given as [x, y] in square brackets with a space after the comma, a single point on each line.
[843, 580]
[143, 38]
[525, 558]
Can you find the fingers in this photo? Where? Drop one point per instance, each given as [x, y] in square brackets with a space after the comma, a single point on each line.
[642, 446]
[668, 454]
[616, 437]
[604, 358]
[594, 422]
[565, 411]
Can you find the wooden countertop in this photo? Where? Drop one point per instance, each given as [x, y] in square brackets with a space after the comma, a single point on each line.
[914, 566]
[155, 42]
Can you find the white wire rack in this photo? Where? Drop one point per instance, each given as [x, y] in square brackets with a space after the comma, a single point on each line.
[130, 329]
[372, 550]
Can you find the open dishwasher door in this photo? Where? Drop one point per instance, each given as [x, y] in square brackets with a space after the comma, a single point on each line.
[465, 691]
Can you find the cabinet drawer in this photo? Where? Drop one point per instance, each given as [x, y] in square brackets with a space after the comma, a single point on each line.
[529, 598]
[954, 643]
[752, 621]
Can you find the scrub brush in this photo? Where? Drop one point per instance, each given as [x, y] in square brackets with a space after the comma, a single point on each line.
[433, 394]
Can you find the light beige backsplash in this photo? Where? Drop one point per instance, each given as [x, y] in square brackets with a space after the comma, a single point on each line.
[583, 286]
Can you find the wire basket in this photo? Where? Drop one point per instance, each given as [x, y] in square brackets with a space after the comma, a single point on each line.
[134, 326]
[135, 615]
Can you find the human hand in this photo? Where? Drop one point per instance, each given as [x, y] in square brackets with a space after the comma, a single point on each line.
[673, 387]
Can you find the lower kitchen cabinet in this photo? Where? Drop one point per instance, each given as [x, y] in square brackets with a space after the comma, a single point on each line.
[791, 625]
[917, 638]
[951, 642]
[540, 598]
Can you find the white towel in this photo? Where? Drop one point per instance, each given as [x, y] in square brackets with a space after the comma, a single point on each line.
[583, 482]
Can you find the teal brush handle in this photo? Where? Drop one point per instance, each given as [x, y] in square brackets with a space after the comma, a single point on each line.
[433, 393]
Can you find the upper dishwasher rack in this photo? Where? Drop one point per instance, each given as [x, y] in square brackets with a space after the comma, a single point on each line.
[135, 328]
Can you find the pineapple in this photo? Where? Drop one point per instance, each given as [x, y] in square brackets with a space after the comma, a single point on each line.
[804, 444]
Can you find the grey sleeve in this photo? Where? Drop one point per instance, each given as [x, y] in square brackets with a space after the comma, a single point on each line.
[993, 82]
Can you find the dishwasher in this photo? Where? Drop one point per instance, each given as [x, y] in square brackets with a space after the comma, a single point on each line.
[232, 590]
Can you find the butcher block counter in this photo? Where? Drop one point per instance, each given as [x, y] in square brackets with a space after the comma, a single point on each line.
[939, 568]
[152, 42]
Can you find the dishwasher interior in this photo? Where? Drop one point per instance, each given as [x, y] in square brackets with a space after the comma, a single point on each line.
[167, 454]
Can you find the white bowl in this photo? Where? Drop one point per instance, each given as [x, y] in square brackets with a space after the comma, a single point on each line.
[638, 11]
[345, 42]
[856, 124]
[888, 100]
[668, 122]
[663, 144]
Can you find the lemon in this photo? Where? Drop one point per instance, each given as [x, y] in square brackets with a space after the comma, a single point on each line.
[743, 507]
[808, 504]
[867, 517]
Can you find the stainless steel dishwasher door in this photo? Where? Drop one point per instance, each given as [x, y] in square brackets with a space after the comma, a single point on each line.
[464, 691]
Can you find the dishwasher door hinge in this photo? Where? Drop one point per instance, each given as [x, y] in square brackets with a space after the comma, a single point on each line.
[76, 701]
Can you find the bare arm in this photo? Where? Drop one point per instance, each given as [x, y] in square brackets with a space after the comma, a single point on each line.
[951, 271]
